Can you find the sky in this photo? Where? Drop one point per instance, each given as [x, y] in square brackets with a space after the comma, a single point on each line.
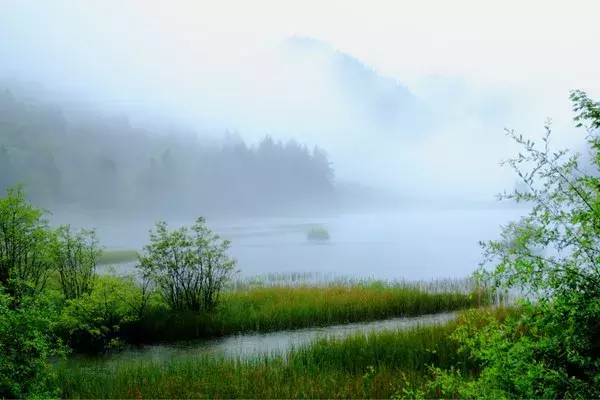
[534, 51]
[526, 42]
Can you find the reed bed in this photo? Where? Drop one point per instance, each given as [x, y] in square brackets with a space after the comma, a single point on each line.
[212, 378]
[280, 308]
[320, 279]
[359, 366]
[275, 308]
[325, 369]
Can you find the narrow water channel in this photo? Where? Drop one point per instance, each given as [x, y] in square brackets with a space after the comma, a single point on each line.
[248, 345]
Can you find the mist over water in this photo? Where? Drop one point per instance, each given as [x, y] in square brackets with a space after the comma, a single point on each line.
[417, 244]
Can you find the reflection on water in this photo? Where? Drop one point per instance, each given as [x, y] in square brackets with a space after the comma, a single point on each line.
[270, 343]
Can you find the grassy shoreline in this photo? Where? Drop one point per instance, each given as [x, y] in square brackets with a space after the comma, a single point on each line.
[324, 369]
[277, 308]
[358, 366]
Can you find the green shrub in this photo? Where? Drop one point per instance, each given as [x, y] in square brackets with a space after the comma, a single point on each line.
[92, 322]
[189, 266]
[75, 255]
[552, 350]
[26, 344]
[25, 237]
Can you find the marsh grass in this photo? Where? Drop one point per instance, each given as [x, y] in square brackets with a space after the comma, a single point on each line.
[215, 378]
[358, 366]
[287, 302]
[326, 279]
[275, 308]
[325, 369]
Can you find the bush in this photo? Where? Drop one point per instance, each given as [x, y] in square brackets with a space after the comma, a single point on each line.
[75, 255]
[553, 349]
[190, 266]
[26, 343]
[92, 322]
[25, 236]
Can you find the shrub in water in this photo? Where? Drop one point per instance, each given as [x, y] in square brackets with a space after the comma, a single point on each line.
[318, 234]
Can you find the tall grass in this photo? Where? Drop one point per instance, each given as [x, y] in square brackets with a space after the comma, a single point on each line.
[324, 280]
[214, 378]
[274, 308]
[326, 369]
[359, 366]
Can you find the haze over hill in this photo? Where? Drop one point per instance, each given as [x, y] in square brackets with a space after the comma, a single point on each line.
[435, 134]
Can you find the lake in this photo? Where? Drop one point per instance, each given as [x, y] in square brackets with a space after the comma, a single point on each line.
[410, 244]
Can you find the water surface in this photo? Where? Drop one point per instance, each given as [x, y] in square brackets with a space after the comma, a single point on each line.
[411, 244]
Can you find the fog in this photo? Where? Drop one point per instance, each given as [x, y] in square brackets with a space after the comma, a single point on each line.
[410, 98]
[118, 113]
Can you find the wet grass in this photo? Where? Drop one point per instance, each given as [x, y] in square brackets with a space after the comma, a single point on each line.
[359, 366]
[327, 279]
[326, 369]
[276, 308]
[281, 308]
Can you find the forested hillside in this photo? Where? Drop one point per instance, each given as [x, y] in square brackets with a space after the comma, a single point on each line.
[98, 162]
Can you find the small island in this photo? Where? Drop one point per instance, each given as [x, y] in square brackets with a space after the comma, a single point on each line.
[318, 234]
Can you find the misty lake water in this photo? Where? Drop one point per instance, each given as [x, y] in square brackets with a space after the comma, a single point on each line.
[411, 244]
[404, 245]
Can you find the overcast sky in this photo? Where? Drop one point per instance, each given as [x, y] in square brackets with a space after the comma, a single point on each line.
[535, 49]
[528, 42]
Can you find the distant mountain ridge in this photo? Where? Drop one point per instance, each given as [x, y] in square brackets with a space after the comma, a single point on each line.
[387, 104]
[376, 130]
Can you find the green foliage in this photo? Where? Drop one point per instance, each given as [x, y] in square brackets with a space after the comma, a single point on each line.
[552, 350]
[26, 343]
[355, 367]
[407, 350]
[376, 365]
[274, 308]
[75, 255]
[92, 322]
[190, 266]
[25, 237]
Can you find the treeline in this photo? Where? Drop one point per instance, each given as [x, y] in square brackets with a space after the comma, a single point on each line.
[98, 162]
